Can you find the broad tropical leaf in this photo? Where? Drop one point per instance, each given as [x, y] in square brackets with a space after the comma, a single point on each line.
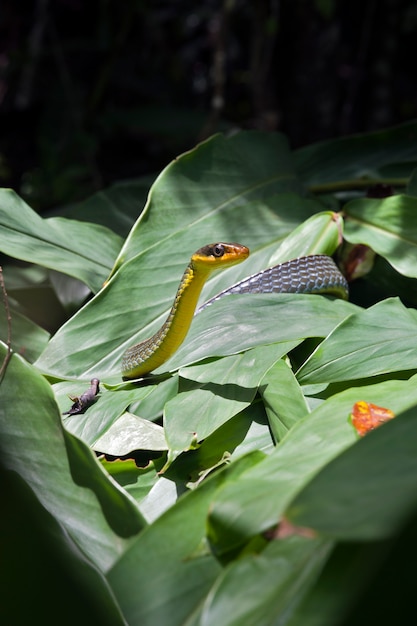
[368, 491]
[388, 226]
[371, 342]
[83, 250]
[60, 469]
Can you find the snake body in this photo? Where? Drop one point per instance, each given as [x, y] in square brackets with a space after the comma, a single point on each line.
[309, 274]
[146, 356]
[316, 273]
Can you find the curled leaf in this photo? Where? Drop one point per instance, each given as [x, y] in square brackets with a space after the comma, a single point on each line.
[356, 260]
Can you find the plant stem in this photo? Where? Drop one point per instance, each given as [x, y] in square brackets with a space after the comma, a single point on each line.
[356, 183]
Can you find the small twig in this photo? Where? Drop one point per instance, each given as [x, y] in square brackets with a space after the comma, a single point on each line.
[9, 326]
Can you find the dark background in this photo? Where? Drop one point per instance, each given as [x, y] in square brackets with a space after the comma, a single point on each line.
[98, 91]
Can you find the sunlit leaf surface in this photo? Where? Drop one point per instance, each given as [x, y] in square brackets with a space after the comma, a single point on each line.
[83, 250]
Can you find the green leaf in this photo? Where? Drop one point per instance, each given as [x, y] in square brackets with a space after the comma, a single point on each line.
[141, 293]
[151, 406]
[367, 492]
[70, 291]
[135, 302]
[283, 398]
[388, 226]
[214, 393]
[345, 579]
[39, 556]
[138, 481]
[319, 234]
[27, 338]
[161, 497]
[60, 469]
[265, 588]
[168, 569]
[85, 251]
[100, 416]
[257, 500]
[361, 157]
[246, 432]
[32, 293]
[131, 432]
[371, 342]
[244, 321]
[105, 425]
[116, 207]
[385, 281]
[218, 178]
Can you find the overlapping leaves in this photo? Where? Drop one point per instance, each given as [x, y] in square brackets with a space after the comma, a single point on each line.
[85, 251]
[252, 412]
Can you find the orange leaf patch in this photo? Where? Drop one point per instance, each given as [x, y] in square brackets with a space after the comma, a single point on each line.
[366, 416]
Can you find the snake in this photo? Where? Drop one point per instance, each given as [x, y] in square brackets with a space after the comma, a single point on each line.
[316, 273]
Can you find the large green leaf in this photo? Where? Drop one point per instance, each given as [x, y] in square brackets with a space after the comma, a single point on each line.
[346, 580]
[263, 589]
[366, 156]
[246, 432]
[135, 302]
[60, 469]
[369, 490]
[214, 393]
[40, 558]
[371, 342]
[216, 180]
[85, 251]
[227, 327]
[388, 226]
[27, 338]
[145, 402]
[168, 570]
[258, 499]
[46, 297]
[245, 321]
[319, 234]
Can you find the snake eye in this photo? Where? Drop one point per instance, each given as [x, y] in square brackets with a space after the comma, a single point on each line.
[218, 250]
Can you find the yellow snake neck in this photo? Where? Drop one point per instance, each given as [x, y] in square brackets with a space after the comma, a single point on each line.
[146, 356]
[309, 274]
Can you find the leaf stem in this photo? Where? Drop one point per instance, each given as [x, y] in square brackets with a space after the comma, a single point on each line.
[356, 183]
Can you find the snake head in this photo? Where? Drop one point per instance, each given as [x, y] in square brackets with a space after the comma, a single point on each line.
[219, 255]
